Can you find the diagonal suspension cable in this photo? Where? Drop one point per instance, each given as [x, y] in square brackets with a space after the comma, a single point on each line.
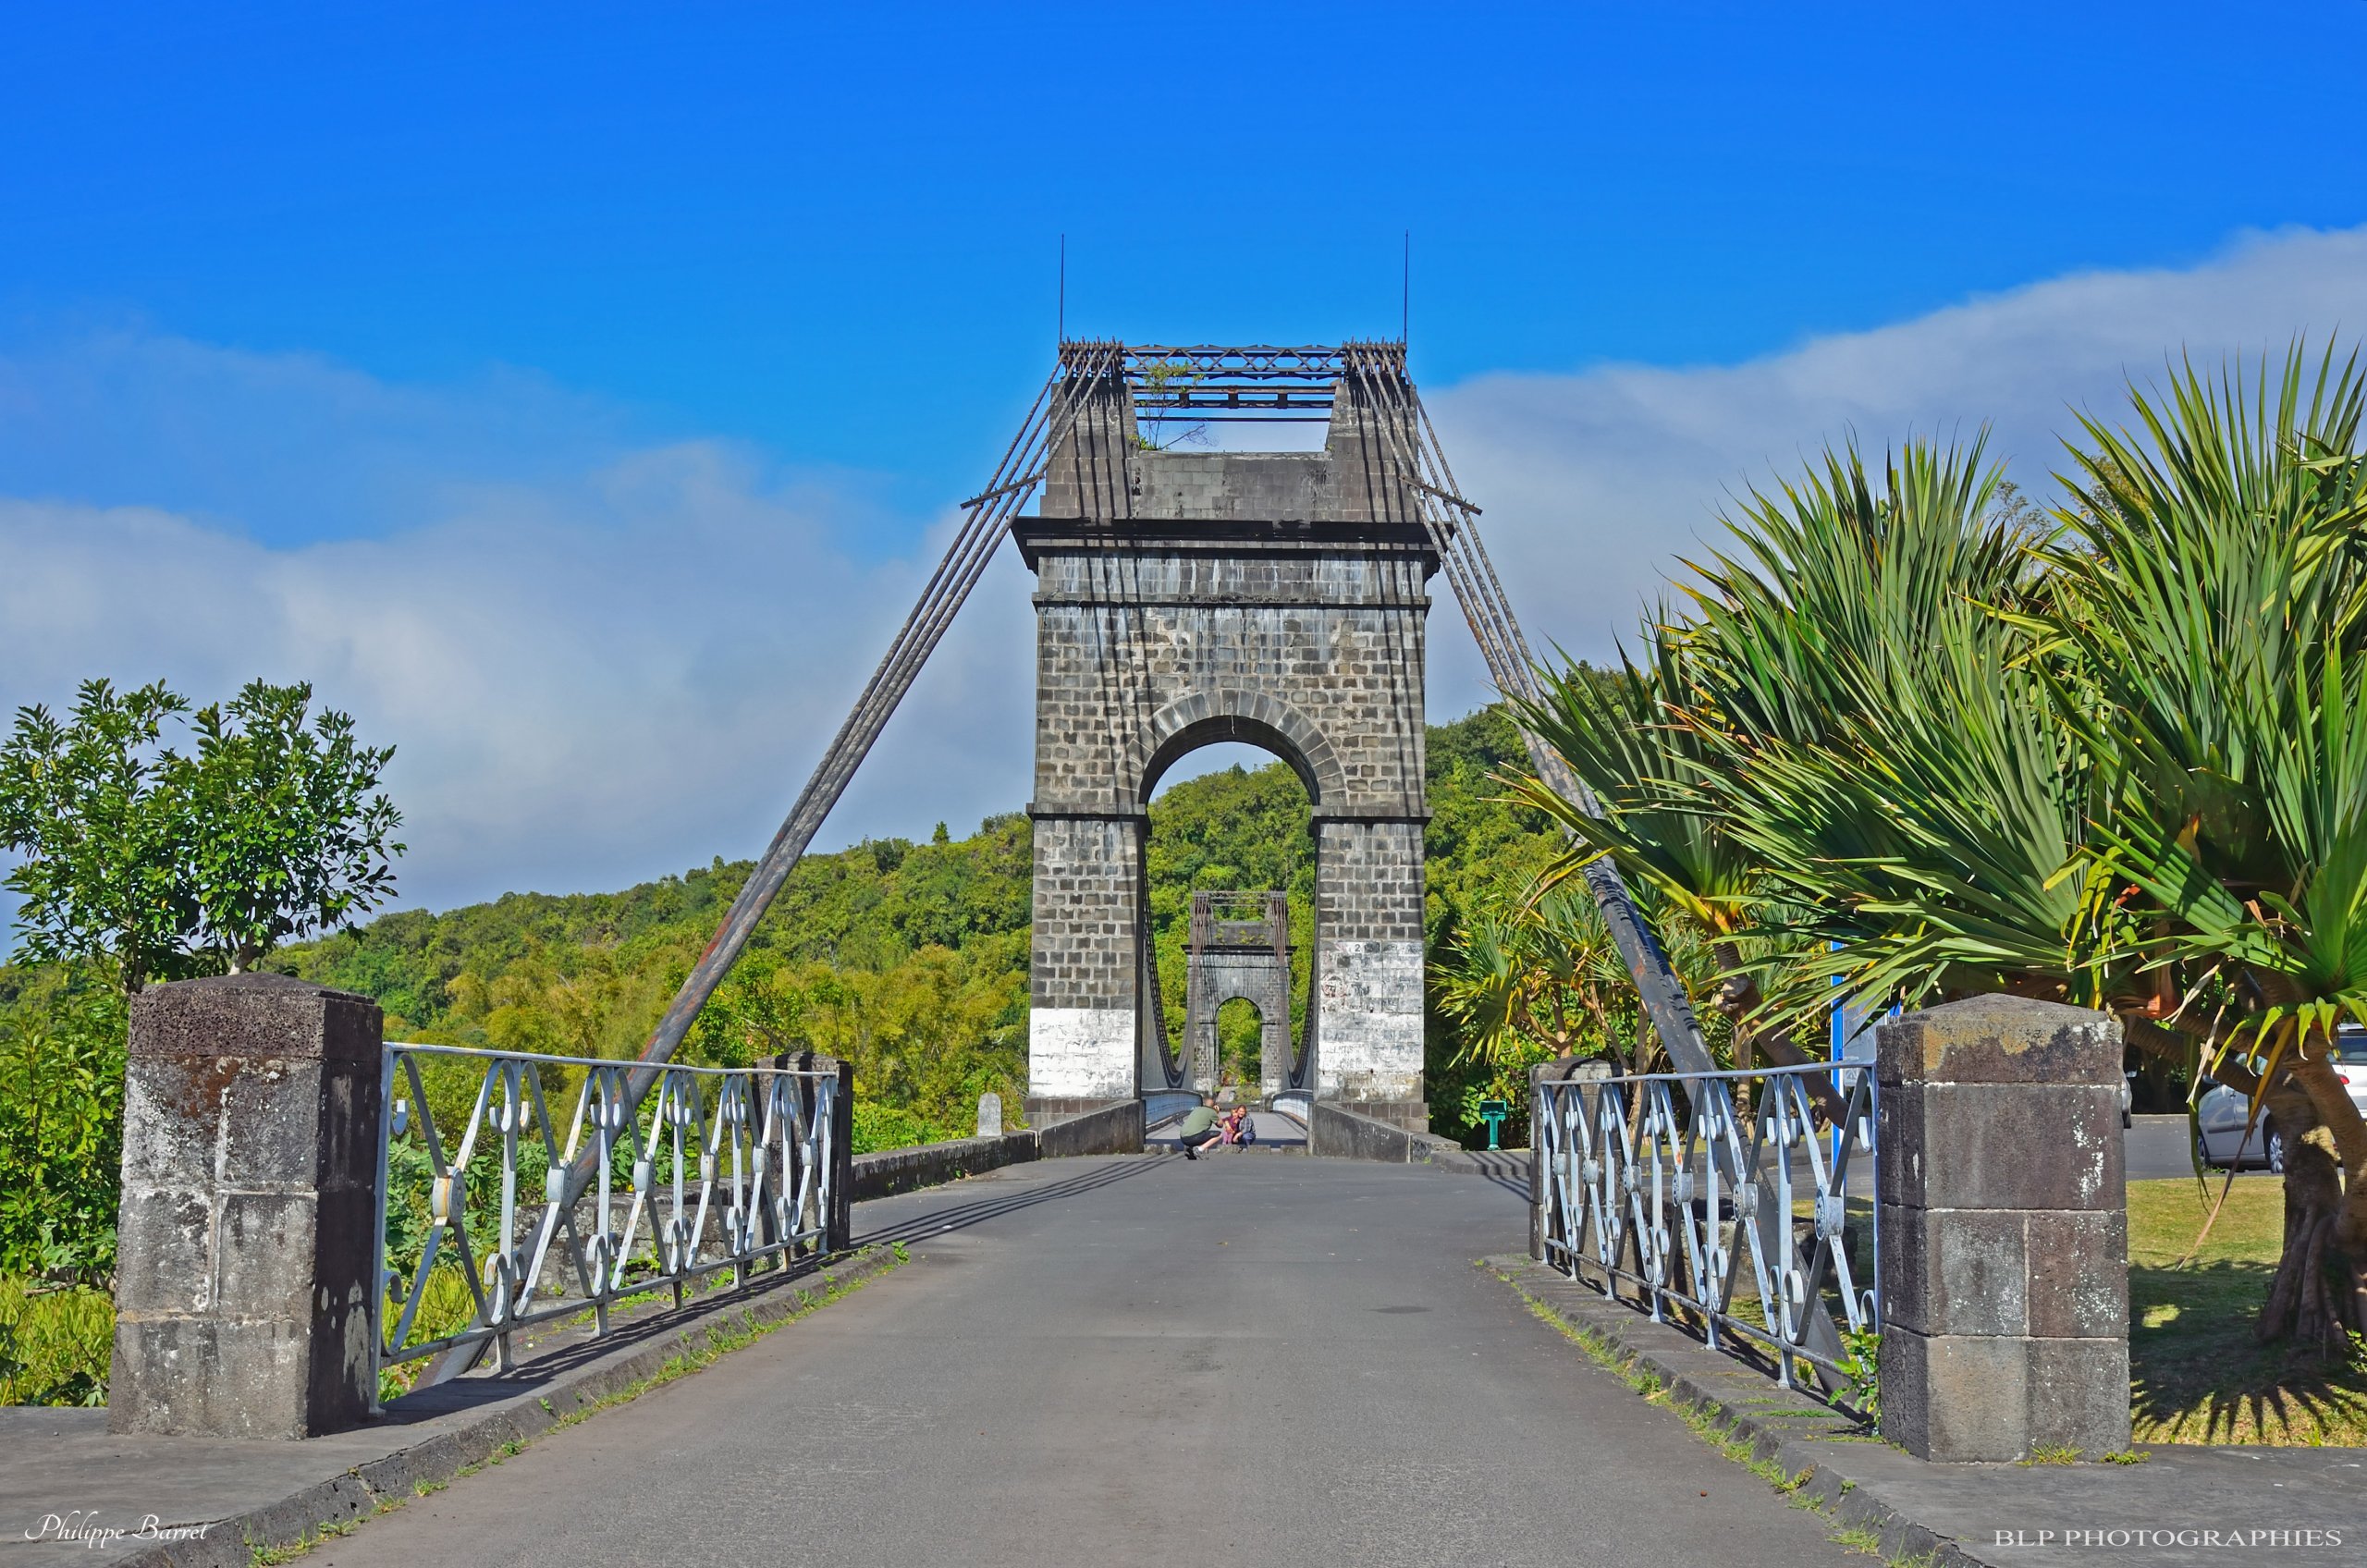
[1378, 370]
[965, 560]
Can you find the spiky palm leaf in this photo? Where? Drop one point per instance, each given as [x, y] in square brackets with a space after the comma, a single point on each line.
[2213, 597]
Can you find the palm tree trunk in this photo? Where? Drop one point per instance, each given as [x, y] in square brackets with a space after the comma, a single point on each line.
[2318, 1294]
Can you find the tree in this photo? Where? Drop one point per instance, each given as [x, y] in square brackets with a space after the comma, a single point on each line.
[61, 1126]
[88, 806]
[2214, 606]
[160, 863]
[287, 834]
[2123, 763]
[1836, 764]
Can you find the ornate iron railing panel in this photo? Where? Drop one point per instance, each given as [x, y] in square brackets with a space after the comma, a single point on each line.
[713, 1168]
[1738, 1215]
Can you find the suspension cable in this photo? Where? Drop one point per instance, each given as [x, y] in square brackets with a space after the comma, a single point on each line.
[1398, 410]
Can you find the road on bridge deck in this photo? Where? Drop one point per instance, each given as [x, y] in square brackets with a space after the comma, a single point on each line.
[1251, 1359]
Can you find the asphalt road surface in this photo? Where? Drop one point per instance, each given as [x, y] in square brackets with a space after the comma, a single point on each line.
[1242, 1360]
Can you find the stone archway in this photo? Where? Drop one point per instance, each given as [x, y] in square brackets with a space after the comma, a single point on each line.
[1187, 598]
[1239, 950]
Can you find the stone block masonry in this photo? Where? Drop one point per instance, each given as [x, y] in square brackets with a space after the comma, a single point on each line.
[245, 1243]
[1184, 599]
[2005, 1231]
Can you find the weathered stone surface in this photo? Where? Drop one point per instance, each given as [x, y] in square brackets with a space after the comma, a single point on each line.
[1336, 1131]
[2078, 1395]
[1182, 599]
[927, 1165]
[1259, 975]
[2079, 1284]
[1113, 1129]
[273, 1017]
[1956, 1397]
[245, 1247]
[1999, 1039]
[1995, 1146]
[1956, 1272]
[2005, 1234]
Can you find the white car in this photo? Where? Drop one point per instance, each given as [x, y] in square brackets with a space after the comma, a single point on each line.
[2221, 1114]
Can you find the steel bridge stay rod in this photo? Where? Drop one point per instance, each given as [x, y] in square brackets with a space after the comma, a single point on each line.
[1428, 432]
[1663, 998]
[972, 551]
[957, 572]
[1460, 543]
[981, 523]
[1492, 650]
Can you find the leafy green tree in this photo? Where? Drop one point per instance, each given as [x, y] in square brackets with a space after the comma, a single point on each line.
[161, 863]
[61, 1126]
[91, 806]
[286, 830]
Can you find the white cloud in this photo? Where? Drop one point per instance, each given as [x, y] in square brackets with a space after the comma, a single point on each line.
[1595, 482]
[605, 655]
[587, 682]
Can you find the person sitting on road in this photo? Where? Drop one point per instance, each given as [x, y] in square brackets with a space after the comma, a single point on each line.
[1236, 1126]
[1197, 1130]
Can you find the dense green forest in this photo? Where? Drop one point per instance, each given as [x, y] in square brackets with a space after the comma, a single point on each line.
[908, 957]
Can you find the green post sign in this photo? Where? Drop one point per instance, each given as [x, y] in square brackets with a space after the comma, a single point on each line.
[1493, 1113]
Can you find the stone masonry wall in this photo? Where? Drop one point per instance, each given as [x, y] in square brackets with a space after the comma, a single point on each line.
[1273, 598]
[1369, 959]
[1257, 975]
[1087, 958]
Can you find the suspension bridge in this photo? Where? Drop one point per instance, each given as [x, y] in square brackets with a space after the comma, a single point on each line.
[1059, 1343]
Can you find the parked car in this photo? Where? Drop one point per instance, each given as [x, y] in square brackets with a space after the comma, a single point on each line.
[2221, 1113]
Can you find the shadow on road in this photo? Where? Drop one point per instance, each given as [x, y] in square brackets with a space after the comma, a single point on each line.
[936, 1221]
[1507, 1169]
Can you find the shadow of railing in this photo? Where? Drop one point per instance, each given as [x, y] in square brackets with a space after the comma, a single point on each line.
[938, 1221]
[1507, 1169]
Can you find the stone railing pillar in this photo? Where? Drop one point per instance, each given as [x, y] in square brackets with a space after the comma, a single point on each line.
[244, 1252]
[837, 1220]
[2004, 1231]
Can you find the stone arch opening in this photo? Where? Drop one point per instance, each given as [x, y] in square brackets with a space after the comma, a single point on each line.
[1255, 718]
[1229, 875]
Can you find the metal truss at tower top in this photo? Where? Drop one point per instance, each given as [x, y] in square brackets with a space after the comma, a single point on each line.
[1264, 383]
[1377, 373]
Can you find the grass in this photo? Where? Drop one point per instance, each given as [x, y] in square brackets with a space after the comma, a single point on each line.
[2196, 1374]
[55, 1345]
[1706, 1424]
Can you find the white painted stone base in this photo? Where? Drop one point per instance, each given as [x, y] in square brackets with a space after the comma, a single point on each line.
[1369, 1019]
[1085, 1052]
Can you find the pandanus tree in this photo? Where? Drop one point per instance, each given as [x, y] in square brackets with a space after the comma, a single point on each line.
[1837, 764]
[1896, 741]
[2212, 606]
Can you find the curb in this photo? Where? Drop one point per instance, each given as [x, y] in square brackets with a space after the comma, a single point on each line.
[1801, 1444]
[295, 1522]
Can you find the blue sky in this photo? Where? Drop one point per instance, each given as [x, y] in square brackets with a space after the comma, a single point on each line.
[574, 393]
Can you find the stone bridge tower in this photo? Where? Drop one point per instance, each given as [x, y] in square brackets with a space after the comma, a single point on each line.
[1188, 597]
[1240, 949]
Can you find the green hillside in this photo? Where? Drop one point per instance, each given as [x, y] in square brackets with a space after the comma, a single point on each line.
[908, 957]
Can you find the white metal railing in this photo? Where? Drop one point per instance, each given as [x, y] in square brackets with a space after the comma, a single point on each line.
[713, 1168]
[1658, 1181]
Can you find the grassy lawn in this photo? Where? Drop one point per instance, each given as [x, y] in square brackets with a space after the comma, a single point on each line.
[2196, 1375]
